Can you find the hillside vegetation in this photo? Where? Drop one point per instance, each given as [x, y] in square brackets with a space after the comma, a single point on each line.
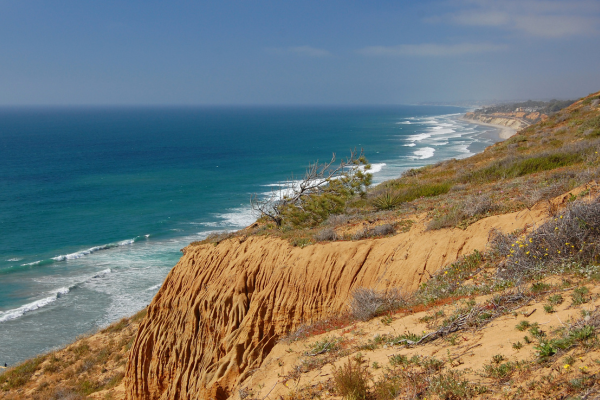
[91, 367]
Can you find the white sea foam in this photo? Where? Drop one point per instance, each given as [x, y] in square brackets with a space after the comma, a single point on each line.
[418, 137]
[409, 145]
[237, 218]
[102, 273]
[79, 254]
[14, 259]
[274, 185]
[209, 224]
[35, 305]
[54, 295]
[423, 153]
[31, 263]
[377, 167]
[404, 123]
[155, 287]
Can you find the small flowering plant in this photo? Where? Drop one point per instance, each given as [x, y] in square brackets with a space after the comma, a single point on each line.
[570, 237]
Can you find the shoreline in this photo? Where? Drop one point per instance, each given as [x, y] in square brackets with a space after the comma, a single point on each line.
[504, 133]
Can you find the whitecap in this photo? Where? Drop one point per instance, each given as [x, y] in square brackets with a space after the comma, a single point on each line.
[377, 167]
[418, 137]
[423, 153]
[14, 259]
[35, 305]
[155, 287]
[210, 224]
[79, 254]
[238, 217]
[31, 263]
[102, 273]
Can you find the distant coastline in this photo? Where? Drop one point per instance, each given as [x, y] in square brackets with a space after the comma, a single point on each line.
[504, 133]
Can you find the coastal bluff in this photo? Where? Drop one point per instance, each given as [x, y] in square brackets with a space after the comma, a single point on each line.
[223, 307]
[510, 120]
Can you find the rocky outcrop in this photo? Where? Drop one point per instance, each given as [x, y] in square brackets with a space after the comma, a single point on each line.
[222, 308]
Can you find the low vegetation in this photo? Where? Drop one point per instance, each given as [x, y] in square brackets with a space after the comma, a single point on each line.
[93, 364]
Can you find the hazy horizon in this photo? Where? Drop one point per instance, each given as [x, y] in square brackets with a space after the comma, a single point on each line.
[267, 53]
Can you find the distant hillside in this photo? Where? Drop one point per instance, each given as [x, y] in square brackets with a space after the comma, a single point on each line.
[518, 115]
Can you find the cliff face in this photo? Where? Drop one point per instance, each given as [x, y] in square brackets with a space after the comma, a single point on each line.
[516, 121]
[222, 308]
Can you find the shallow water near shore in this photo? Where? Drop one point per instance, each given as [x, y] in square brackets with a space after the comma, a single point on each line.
[97, 202]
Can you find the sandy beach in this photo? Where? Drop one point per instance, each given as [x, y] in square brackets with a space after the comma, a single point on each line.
[504, 133]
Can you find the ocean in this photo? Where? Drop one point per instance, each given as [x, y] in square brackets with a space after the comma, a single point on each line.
[96, 203]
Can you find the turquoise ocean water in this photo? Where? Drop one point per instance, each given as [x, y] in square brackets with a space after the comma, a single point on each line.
[95, 203]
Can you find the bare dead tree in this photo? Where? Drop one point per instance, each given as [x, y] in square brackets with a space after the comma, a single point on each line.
[350, 173]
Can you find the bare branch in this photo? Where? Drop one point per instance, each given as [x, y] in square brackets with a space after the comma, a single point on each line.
[316, 181]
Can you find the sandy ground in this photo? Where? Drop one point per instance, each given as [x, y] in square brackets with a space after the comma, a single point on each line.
[504, 133]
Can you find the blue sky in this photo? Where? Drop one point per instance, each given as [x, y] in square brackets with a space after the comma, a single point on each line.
[296, 52]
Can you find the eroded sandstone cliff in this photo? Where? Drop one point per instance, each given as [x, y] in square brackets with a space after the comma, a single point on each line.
[504, 120]
[222, 308]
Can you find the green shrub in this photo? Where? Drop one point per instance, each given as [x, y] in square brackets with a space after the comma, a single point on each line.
[521, 326]
[387, 201]
[325, 345]
[513, 167]
[517, 345]
[583, 334]
[352, 380]
[591, 127]
[410, 193]
[579, 295]
[536, 332]
[398, 359]
[452, 385]
[568, 239]
[538, 287]
[501, 372]
[555, 299]
[545, 350]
